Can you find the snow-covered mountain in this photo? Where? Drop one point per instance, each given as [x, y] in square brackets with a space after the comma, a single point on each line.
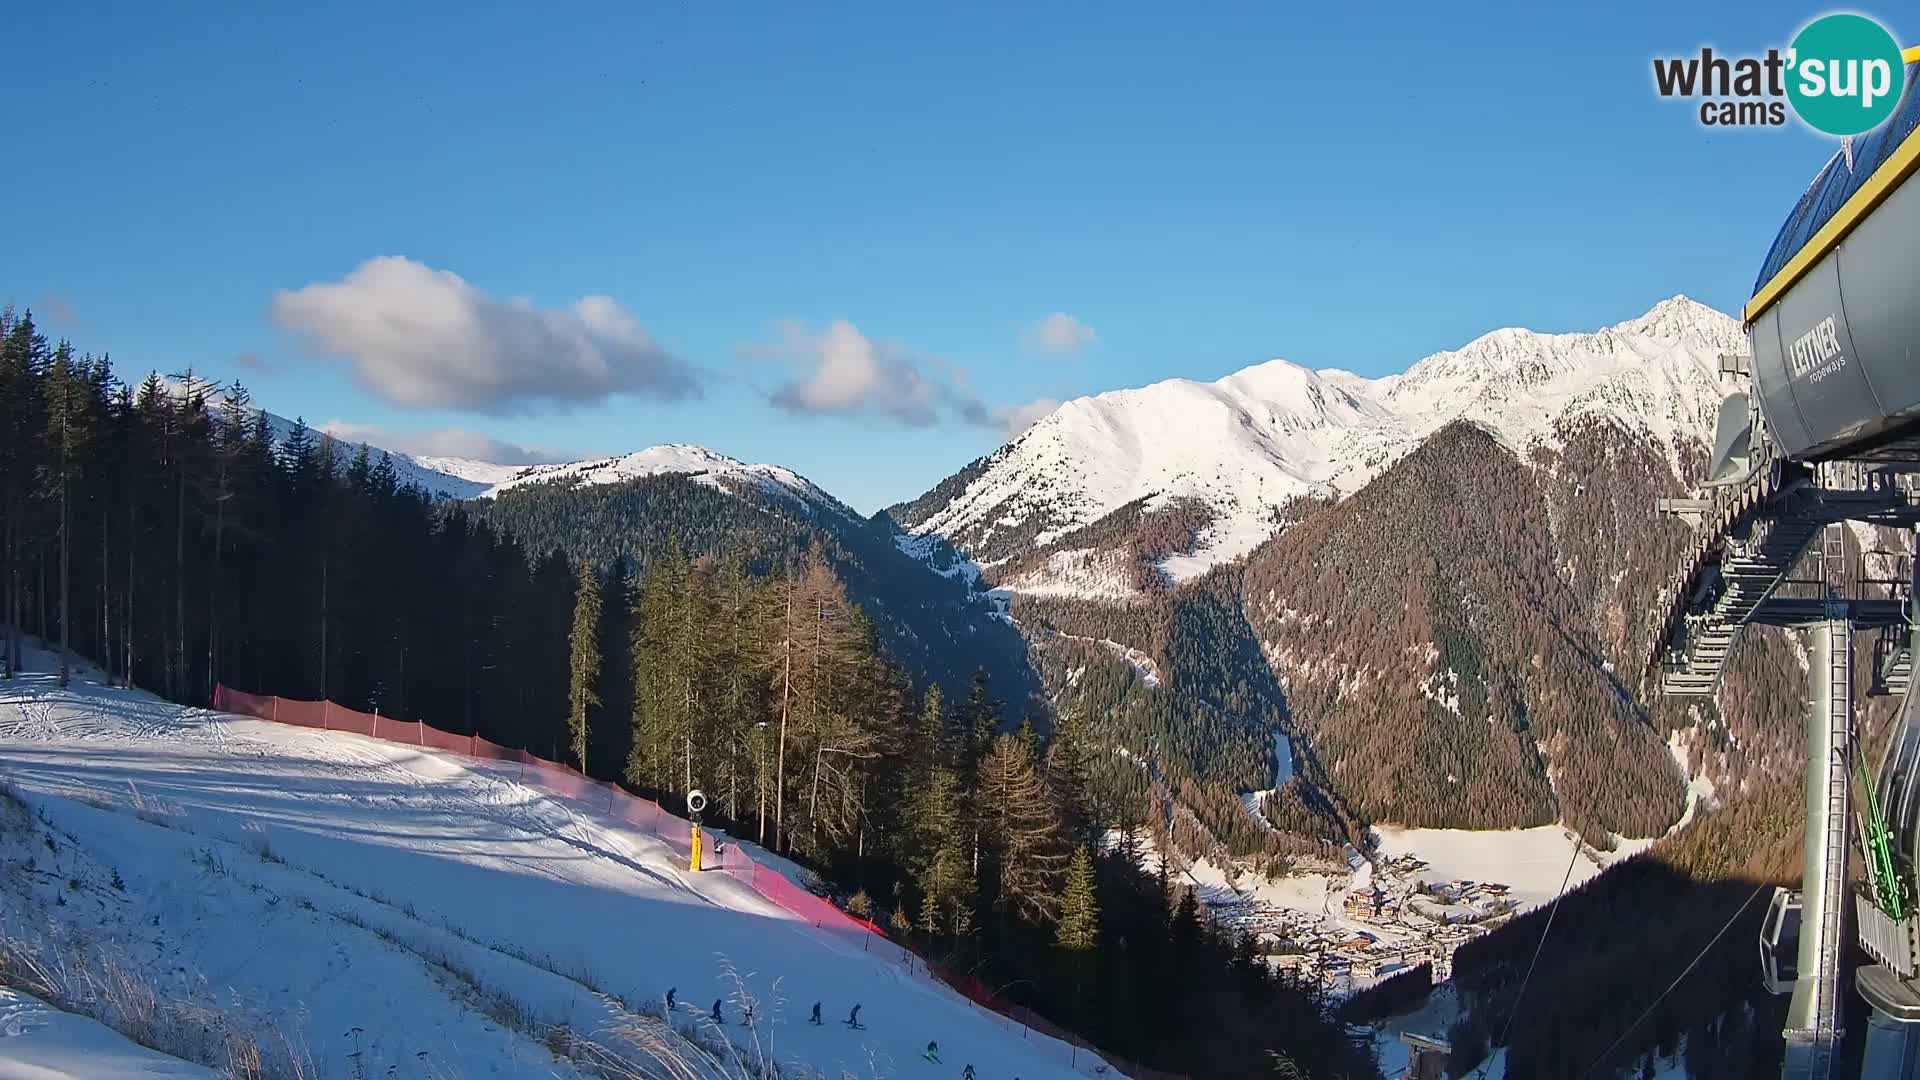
[1242, 446]
[706, 466]
[469, 478]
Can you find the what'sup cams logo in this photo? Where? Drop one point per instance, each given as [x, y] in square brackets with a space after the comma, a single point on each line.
[1843, 75]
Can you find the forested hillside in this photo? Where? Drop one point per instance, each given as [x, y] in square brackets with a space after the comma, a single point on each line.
[936, 626]
[165, 534]
[1440, 664]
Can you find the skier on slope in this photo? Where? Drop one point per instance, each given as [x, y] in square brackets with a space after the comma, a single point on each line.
[670, 991]
[815, 1018]
[853, 1018]
[967, 1073]
[718, 1016]
[932, 1053]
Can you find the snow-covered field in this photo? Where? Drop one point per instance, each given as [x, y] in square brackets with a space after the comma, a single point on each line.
[1532, 861]
[396, 911]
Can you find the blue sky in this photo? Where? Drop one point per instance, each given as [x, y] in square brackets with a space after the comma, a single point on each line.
[827, 234]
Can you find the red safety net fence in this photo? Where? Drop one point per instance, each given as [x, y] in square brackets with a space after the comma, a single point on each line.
[646, 816]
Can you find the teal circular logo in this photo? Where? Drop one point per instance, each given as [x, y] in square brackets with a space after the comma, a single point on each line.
[1845, 74]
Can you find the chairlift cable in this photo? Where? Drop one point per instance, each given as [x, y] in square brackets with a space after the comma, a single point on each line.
[1688, 970]
[1552, 911]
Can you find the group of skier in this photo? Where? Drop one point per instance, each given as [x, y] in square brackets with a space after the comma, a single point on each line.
[718, 1015]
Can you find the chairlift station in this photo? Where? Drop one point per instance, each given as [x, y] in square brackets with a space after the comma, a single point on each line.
[1824, 432]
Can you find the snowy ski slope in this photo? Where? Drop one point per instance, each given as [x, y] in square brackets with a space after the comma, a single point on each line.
[331, 884]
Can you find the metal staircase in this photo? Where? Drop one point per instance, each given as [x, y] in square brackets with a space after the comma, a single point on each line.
[1892, 662]
[1736, 573]
[1747, 576]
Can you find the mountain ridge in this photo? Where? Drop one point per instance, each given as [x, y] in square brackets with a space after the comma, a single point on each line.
[1248, 443]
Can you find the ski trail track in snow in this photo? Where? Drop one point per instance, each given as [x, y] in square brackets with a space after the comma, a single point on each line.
[459, 852]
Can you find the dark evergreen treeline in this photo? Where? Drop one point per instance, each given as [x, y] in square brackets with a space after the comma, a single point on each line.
[190, 547]
[164, 531]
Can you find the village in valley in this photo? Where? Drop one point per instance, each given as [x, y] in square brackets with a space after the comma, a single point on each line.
[1393, 915]
[1346, 920]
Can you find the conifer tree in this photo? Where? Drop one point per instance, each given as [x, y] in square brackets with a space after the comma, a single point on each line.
[1020, 826]
[735, 703]
[584, 660]
[1078, 930]
[228, 492]
[69, 432]
[931, 791]
[778, 662]
[1070, 771]
[673, 659]
[1186, 926]
[840, 695]
[947, 901]
[655, 733]
[23, 355]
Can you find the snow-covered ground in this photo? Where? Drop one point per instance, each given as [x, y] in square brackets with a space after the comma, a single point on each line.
[1532, 861]
[39, 1042]
[403, 909]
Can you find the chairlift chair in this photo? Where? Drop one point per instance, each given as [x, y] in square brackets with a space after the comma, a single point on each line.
[1780, 942]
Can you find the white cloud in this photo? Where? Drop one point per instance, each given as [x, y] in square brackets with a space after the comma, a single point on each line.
[1015, 419]
[840, 371]
[427, 338]
[1059, 333]
[445, 442]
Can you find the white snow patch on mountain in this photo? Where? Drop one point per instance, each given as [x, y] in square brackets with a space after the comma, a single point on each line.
[938, 556]
[1246, 443]
[706, 466]
[1282, 759]
[479, 472]
[1142, 663]
[1083, 572]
